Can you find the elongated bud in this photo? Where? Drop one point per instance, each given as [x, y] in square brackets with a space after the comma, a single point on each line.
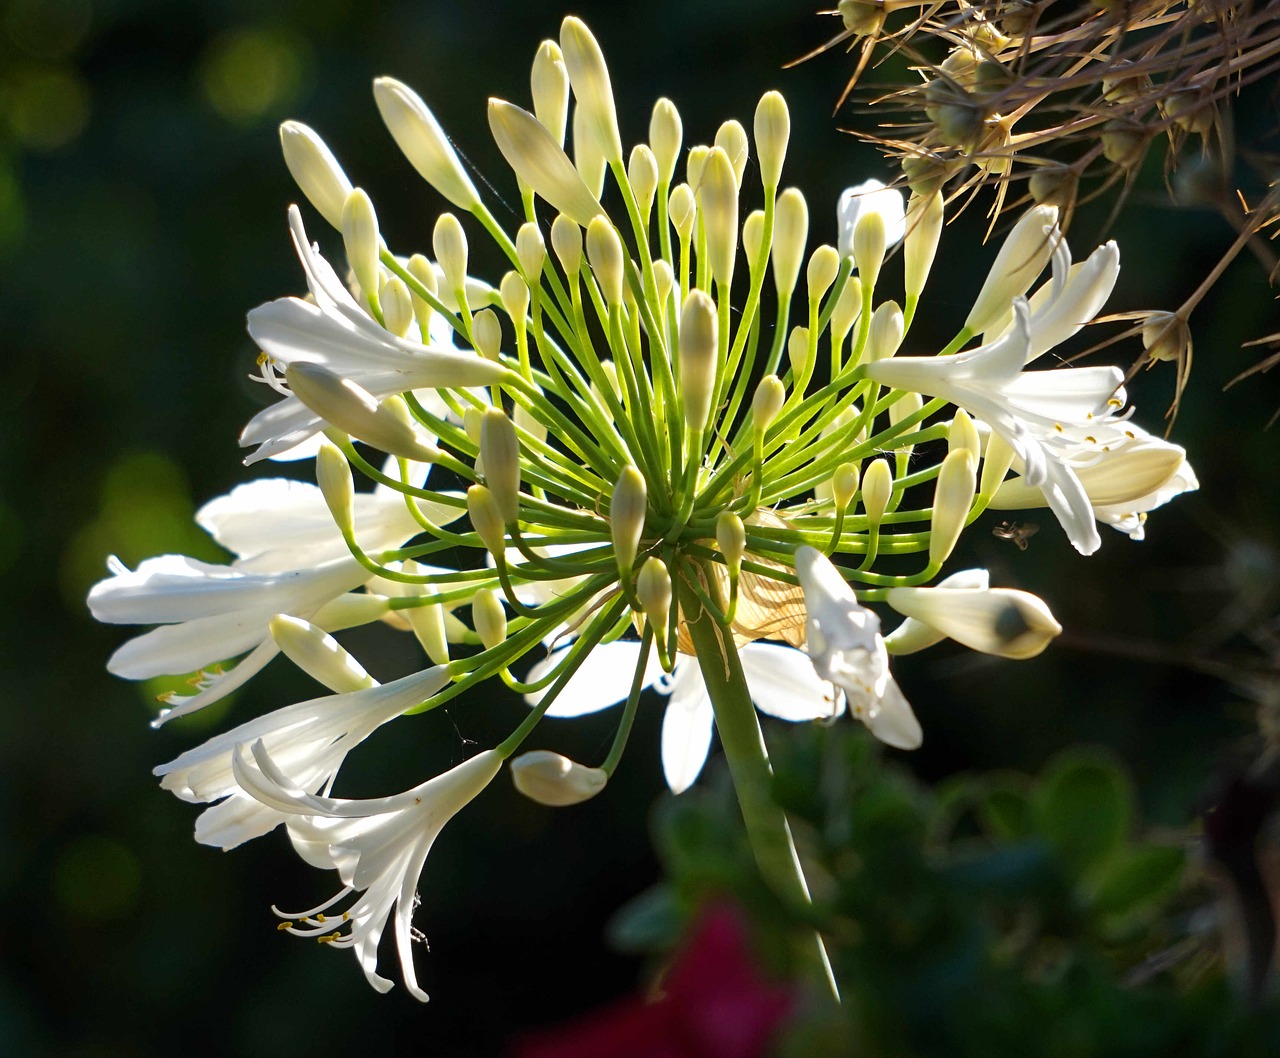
[540, 161]
[731, 538]
[963, 434]
[360, 236]
[549, 85]
[869, 243]
[514, 292]
[877, 490]
[844, 483]
[663, 280]
[653, 591]
[421, 270]
[610, 371]
[719, 204]
[527, 424]
[798, 352]
[604, 251]
[790, 233]
[902, 408]
[753, 237]
[487, 520]
[731, 138]
[1025, 252]
[589, 77]
[769, 398]
[698, 346]
[471, 420]
[397, 305]
[996, 462]
[333, 475]
[642, 174]
[315, 170]
[555, 781]
[824, 266]
[683, 209]
[666, 134]
[588, 159]
[531, 252]
[500, 450]
[490, 618]
[319, 655]
[627, 509]
[450, 244]
[422, 140]
[847, 309]
[694, 166]
[924, 228]
[884, 336]
[486, 334]
[773, 130]
[952, 498]
[1000, 621]
[428, 623]
[353, 410]
[566, 241]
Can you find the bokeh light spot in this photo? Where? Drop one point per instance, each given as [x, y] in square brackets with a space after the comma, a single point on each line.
[46, 107]
[49, 29]
[96, 877]
[251, 73]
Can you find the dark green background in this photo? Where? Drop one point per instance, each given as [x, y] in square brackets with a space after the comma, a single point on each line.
[142, 203]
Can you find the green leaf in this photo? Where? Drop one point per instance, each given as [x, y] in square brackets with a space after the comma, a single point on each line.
[1083, 806]
[651, 922]
[1140, 879]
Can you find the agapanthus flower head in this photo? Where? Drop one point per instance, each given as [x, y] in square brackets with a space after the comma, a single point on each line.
[680, 432]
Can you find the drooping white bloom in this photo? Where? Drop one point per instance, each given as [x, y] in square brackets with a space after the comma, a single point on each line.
[377, 846]
[781, 681]
[842, 639]
[553, 779]
[870, 196]
[336, 333]
[310, 740]
[1000, 621]
[912, 635]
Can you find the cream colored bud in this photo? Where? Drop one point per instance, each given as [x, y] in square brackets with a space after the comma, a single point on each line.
[450, 244]
[319, 655]
[767, 402]
[397, 305]
[996, 461]
[555, 781]
[694, 164]
[333, 475]
[549, 86]
[753, 237]
[773, 130]
[952, 497]
[718, 201]
[963, 434]
[486, 334]
[1022, 257]
[1165, 336]
[422, 140]
[527, 424]
[844, 484]
[642, 174]
[424, 272]
[869, 242]
[540, 161]
[353, 410]
[884, 336]
[877, 490]
[731, 138]
[790, 233]
[500, 450]
[588, 159]
[627, 509]
[610, 371]
[360, 236]
[904, 407]
[566, 241]
[1000, 621]
[428, 624]
[490, 618]
[471, 420]
[589, 77]
[514, 292]
[486, 520]
[924, 227]
[731, 538]
[847, 309]
[666, 134]
[663, 280]
[604, 251]
[798, 352]
[698, 347]
[824, 266]
[683, 210]
[531, 252]
[653, 591]
[315, 170]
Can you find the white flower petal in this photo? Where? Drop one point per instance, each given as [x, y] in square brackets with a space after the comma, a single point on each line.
[686, 726]
[783, 684]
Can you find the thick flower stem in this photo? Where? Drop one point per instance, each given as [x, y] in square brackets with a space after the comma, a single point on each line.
[744, 748]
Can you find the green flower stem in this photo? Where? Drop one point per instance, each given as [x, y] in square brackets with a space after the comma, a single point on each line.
[610, 763]
[743, 742]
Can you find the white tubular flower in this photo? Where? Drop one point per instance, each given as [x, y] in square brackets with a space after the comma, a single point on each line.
[912, 635]
[335, 333]
[1000, 621]
[378, 847]
[781, 681]
[310, 739]
[871, 196]
[420, 137]
[844, 643]
[1022, 257]
[1073, 296]
[554, 780]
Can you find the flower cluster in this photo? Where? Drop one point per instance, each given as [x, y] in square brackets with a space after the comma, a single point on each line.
[665, 435]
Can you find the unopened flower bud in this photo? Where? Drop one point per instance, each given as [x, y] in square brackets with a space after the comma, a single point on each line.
[555, 781]
[333, 475]
[527, 424]
[963, 434]
[610, 371]
[824, 266]
[423, 142]
[604, 251]
[996, 461]
[731, 138]
[1025, 252]
[397, 305]
[627, 509]
[790, 233]
[753, 238]
[422, 270]
[877, 490]
[769, 398]
[798, 352]
[854, 211]
[718, 201]
[683, 209]
[514, 292]
[589, 77]
[868, 246]
[531, 251]
[666, 134]
[319, 655]
[486, 334]
[487, 520]
[731, 538]
[653, 591]
[847, 309]
[885, 333]
[952, 497]
[694, 165]
[1165, 336]
[315, 170]
[924, 227]
[360, 236]
[500, 450]
[490, 618]
[1000, 621]
[450, 244]
[773, 130]
[588, 159]
[566, 241]
[663, 280]
[698, 347]
[540, 161]
[642, 174]
[902, 408]
[549, 86]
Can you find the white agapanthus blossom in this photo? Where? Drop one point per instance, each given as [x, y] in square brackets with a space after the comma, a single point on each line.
[645, 476]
